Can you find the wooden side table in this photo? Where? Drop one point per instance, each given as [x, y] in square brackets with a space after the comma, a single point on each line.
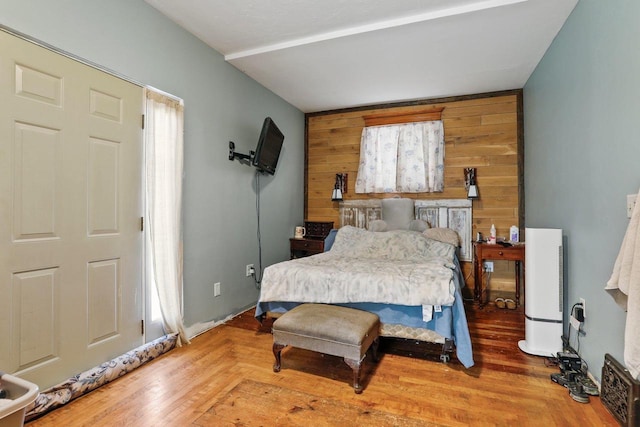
[305, 247]
[496, 252]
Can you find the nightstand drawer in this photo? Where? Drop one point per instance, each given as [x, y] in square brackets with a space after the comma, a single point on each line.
[511, 253]
[307, 245]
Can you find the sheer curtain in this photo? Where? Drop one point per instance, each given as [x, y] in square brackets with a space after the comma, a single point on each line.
[163, 152]
[405, 158]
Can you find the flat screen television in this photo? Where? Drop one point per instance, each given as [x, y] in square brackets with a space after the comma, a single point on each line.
[268, 149]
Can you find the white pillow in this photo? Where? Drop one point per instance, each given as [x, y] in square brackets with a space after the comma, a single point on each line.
[397, 213]
[445, 235]
[418, 225]
[377, 225]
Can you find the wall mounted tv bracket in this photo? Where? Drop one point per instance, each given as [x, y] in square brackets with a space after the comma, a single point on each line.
[243, 158]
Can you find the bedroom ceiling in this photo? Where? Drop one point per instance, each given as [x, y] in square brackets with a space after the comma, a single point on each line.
[328, 54]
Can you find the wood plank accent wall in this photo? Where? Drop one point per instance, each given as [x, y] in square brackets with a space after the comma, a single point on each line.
[482, 131]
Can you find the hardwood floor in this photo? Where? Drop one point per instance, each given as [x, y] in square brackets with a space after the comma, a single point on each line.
[505, 388]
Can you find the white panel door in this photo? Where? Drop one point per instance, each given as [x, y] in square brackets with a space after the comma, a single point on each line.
[70, 208]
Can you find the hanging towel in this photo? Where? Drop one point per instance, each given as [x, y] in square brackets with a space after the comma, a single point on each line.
[624, 287]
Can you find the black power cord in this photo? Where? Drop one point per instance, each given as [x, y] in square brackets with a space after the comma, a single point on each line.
[257, 274]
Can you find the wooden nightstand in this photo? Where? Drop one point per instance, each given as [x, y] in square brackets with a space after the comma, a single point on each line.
[306, 246]
[485, 251]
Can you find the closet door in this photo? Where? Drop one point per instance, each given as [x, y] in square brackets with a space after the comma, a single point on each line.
[70, 208]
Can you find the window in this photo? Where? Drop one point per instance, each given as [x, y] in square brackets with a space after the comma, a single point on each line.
[402, 158]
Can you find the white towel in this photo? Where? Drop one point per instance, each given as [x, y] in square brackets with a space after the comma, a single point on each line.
[624, 286]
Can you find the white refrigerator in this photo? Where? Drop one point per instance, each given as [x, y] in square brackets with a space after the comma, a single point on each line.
[543, 292]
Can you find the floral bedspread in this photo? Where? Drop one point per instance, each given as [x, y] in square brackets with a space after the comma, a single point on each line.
[393, 267]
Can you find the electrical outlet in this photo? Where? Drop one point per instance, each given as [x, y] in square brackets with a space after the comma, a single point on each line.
[488, 266]
[216, 289]
[584, 307]
[250, 270]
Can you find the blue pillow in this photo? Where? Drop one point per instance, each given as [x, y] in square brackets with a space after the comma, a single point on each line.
[331, 237]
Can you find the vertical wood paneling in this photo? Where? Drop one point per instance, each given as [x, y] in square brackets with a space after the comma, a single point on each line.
[483, 131]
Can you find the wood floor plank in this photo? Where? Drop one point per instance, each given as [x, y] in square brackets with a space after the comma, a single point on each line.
[505, 388]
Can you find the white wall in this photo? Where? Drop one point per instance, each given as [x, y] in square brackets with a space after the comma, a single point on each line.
[581, 109]
[221, 104]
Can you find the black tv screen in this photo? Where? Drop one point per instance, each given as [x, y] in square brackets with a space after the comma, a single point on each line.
[268, 148]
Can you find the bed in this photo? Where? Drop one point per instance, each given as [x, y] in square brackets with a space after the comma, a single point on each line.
[412, 282]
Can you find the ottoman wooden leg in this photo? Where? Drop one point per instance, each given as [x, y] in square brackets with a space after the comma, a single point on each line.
[277, 350]
[355, 365]
[374, 349]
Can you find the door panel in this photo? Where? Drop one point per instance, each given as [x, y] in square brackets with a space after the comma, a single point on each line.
[36, 159]
[70, 202]
[103, 186]
[35, 305]
[103, 290]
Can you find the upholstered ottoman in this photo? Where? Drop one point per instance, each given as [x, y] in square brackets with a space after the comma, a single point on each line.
[329, 329]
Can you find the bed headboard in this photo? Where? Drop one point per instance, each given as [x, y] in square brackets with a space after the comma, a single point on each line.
[447, 213]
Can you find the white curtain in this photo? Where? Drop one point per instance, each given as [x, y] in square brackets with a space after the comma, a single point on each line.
[164, 153]
[405, 158]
